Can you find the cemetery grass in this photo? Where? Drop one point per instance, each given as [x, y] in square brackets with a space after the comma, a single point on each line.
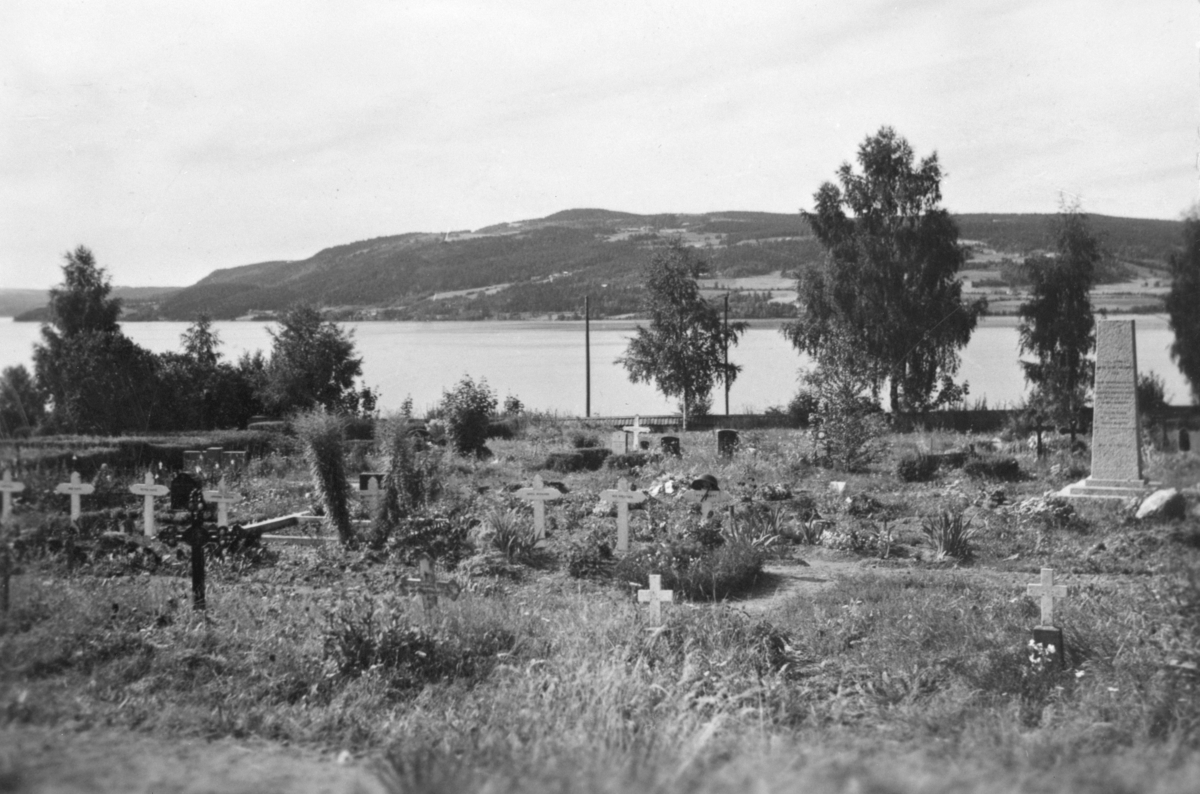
[905, 673]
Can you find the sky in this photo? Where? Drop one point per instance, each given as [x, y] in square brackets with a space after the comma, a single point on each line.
[177, 138]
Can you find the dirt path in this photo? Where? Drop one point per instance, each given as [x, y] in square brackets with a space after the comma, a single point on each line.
[782, 580]
[50, 761]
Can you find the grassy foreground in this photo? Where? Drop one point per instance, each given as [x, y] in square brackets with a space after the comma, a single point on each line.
[909, 671]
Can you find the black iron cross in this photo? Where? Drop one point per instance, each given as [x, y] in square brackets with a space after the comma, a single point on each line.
[428, 586]
[197, 535]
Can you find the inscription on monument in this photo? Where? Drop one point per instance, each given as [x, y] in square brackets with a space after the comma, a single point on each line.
[1116, 442]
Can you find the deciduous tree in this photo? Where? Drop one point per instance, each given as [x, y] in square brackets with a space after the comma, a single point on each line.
[312, 363]
[1183, 305]
[682, 351]
[1056, 324]
[888, 285]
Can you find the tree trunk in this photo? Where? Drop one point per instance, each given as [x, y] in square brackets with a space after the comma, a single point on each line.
[686, 403]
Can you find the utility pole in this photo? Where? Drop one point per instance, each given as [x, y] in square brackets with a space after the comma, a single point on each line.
[726, 378]
[587, 354]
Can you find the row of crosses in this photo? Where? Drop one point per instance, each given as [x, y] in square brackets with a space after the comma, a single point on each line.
[148, 489]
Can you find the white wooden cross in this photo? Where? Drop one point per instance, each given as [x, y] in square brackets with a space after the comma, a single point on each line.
[655, 597]
[624, 498]
[708, 500]
[8, 487]
[539, 495]
[223, 497]
[637, 429]
[149, 489]
[1048, 591]
[75, 489]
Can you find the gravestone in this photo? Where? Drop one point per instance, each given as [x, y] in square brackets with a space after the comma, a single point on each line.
[234, 460]
[212, 457]
[370, 484]
[197, 535]
[709, 500]
[636, 429]
[727, 442]
[655, 597]
[427, 585]
[539, 494]
[618, 442]
[1185, 441]
[1116, 431]
[223, 497]
[1046, 634]
[148, 489]
[182, 485]
[193, 461]
[8, 487]
[623, 497]
[670, 446]
[75, 489]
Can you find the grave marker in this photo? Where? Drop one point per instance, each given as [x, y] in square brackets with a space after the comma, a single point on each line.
[149, 489]
[223, 497]
[427, 585]
[8, 487]
[637, 429]
[368, 485]
[618, 442]
[708, 500]
[1046, 633]
[623, 497]
[75, 489]
[1116, 431]
[234, 460]
[193, 460]
[670, 446]
[727, 442]
[539, 495]
[212, 457]
[655, 597]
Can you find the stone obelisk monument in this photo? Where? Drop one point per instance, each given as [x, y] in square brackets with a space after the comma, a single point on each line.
[1116, 429]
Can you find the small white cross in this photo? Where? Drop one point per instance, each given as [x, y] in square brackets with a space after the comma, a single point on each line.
[539, 495]
[637, 429]
[655, 597]
[624, 498]
[75, 489]
[8, 487]
[1049, 591]
[149, 489]
[708, 500]
[223, 498]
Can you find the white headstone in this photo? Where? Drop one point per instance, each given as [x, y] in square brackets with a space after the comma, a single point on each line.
[149, 489]
[636, 429]
[1048, 591]
[1116, 431]
[655, 597]
[8, 487]
[539, 495]
[75, 489]
[623, 497]
[223, 497]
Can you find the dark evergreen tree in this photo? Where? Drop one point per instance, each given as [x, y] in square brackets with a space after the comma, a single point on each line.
[888, 284]
[683, 350]
[1183, 305]
[21, 406]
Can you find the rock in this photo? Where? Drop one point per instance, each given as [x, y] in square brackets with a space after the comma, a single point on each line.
[1165, 503]
[837, 487]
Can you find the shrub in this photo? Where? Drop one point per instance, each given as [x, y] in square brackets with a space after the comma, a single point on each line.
[916, 468]
[321, 434]
[589, 554]
[511, 533]
[504, 429]
[802, 407]
[693, 571]
[513, 405]
[467, 411]
[413, 479]
[628, 460]
[441, 535]
[1003, 469]
[577, 460]
[363, 636]
[581, 440]
[949, 534]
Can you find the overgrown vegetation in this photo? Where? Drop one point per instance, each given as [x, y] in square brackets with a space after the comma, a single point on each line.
[545, 675]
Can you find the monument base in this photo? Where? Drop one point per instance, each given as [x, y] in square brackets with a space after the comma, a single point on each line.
[1092, 488]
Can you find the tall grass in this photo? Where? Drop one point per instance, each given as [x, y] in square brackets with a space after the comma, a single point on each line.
[322, 435]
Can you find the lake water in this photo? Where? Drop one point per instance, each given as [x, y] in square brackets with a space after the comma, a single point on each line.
[542, 363]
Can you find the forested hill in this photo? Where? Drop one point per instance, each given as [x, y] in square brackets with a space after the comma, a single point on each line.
[546, 266]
